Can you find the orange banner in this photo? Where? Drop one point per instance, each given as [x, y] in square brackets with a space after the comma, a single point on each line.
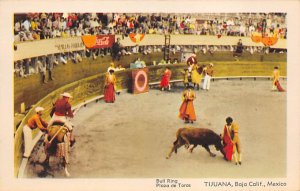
[99, 41]
[256, 39]
[136, 38]
[269, 41]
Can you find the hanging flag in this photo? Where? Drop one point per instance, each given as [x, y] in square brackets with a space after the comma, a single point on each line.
[136, 38]
[269, 41]
[256, 39]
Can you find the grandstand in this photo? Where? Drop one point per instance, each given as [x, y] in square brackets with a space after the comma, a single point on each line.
[35, 26]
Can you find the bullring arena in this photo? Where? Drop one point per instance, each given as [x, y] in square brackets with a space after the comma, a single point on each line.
[132, 137]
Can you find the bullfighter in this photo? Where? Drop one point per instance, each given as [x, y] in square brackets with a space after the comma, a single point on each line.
[231, 141]
[187, 111]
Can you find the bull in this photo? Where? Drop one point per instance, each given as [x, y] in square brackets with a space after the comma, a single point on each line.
[197, 136]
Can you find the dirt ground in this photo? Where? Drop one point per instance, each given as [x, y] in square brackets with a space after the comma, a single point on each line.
[131, 137]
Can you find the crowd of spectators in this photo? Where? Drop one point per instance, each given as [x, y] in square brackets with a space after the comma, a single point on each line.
[36, 26]
[45, 64]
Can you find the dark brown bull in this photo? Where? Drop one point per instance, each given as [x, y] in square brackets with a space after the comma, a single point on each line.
[197, 136]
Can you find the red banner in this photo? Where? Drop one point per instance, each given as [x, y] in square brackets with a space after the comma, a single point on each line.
[99, 41]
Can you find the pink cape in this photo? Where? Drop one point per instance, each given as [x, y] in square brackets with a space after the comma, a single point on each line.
[228, 145]
[109, 93]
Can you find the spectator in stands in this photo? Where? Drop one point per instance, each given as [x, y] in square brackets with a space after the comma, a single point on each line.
[147, 50]
[16, 68]
[125, 52]
[17, 27]
[211, 50]
[119, 68]
[75, 56]
[26, 24]
[62, 58]
[156, 49]
[162, 62]
[168, 61]
[49, 65]
[32, 68]
[26, 67]
[175, 61]
[251, 29]
[36, 35]
[94, 53]
[267, 50]
[135, 49]
[23, 36]
[78, 56]
[204, 49]
[42, 69]
[251, 50]
[29, 36]
[19, 70]
[138, 64]
[242, 30]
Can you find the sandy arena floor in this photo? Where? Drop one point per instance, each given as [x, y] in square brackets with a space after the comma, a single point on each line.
[131, 138]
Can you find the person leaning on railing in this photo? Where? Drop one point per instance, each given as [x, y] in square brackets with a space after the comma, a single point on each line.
[33, 122]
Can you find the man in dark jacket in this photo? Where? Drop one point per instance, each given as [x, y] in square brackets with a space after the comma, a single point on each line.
[116, 50]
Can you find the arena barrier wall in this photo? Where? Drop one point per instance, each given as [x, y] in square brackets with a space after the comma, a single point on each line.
[25, 89]
[59, 45]
[92, 87]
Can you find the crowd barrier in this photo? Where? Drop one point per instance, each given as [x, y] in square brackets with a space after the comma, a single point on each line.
[23, 50]
[92, 87]
[26, 94]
